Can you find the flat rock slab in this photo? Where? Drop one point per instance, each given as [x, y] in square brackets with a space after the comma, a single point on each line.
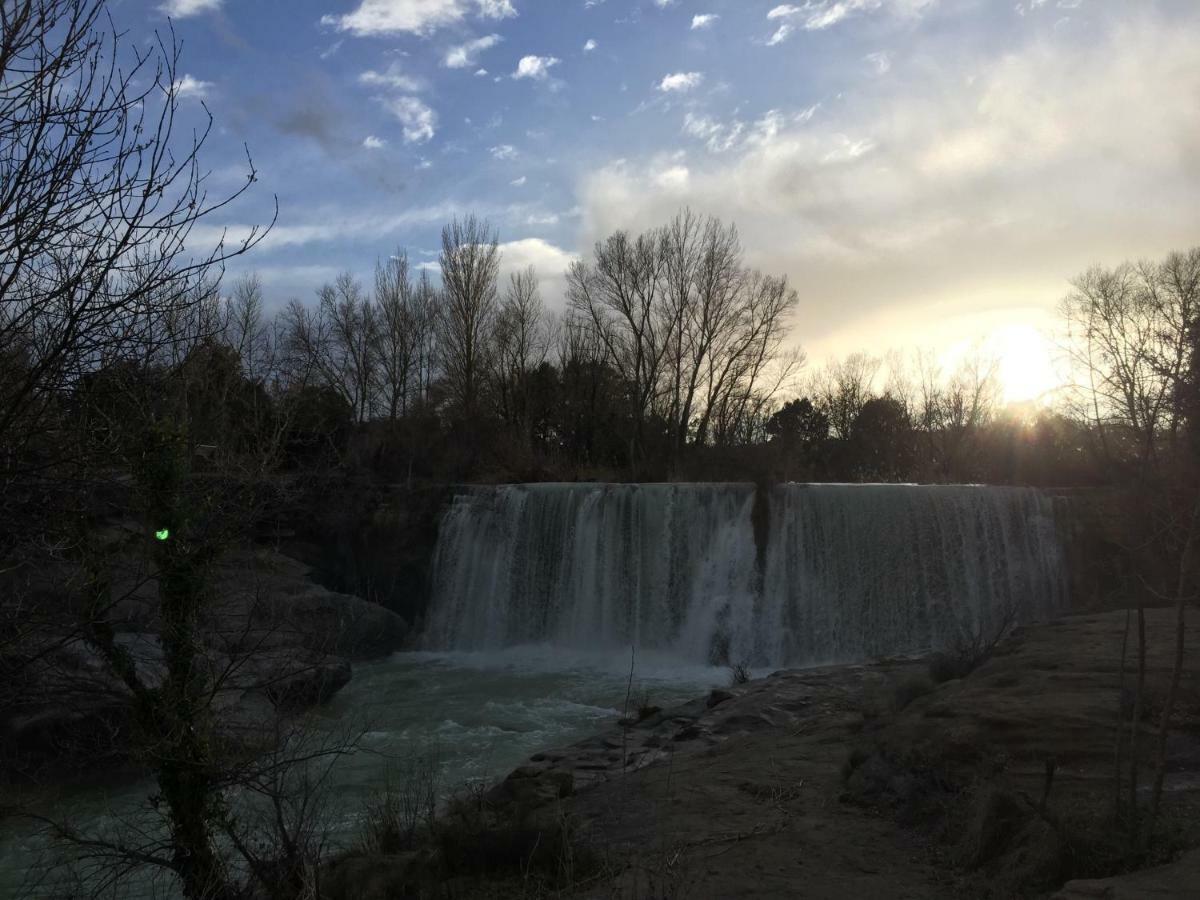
[741, 793]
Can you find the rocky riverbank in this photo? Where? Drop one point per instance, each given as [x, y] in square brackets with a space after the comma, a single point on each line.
[871, 781]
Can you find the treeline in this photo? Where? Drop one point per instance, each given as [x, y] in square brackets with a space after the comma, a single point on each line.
[668, 362]
[669, 343]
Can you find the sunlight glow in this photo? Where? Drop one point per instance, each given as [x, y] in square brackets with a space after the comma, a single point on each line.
[1026, 358]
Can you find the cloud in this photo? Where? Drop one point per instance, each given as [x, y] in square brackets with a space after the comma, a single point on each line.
[535, 67]
[589, 46]
[181, 9]
[329, 227]
[187, 86]
[782, 33]
[464, 54]
[497, 9]
[504, 151]
[974, 183]
[519, 182]
[418, 120]
[391, 77]
[680, 82]
[717, 136]
[672, 180]
[703, 21]
[880, 62]
[550, 262]
[816, 15]
[374, 17]
[373, 143]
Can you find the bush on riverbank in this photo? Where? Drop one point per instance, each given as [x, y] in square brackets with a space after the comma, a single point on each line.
[476, 848]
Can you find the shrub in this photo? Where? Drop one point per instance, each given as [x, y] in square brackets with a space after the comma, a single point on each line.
[502, 841]
[407, 804]
[972, 648]
[739, 673]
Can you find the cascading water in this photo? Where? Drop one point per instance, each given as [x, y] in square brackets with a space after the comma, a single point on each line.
[859, 571]
[593, 565]
[839, 573]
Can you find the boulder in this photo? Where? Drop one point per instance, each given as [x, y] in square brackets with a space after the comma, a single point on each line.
[308, 685]
[529, 787]
[716, 697]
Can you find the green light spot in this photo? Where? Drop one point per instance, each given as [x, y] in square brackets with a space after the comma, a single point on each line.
[163, 534]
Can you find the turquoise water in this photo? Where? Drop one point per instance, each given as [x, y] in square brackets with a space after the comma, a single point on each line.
[475, 715]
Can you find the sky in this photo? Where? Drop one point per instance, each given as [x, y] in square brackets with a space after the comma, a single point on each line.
[927, 173]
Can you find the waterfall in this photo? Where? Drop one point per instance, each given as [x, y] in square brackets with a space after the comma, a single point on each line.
[848, 572]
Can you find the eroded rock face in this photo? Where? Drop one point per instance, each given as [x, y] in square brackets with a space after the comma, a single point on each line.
[266, 596]
[273, 643]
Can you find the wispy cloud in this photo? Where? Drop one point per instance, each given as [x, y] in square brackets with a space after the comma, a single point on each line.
[704, 20]
[782, 33]
[816, 15]
[464, 55]
[373, 143]
[418, 120]
[391, 77]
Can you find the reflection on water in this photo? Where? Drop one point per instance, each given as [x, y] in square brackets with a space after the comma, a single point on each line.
[477, 714]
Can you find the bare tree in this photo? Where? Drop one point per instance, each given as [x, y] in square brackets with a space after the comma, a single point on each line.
[248, 333]
[747, 366]
[618, 293]
[335, 343]
[98, 202]
[470, 262]
[426, 313]
[396, 335]
[522, 344]
[950, 413]
[843, 388]
[1128, 343]
[690, 330]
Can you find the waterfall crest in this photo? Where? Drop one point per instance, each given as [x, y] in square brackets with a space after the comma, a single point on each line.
[848, 572]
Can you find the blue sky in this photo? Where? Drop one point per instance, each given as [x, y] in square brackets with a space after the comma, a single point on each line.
[925, 171]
